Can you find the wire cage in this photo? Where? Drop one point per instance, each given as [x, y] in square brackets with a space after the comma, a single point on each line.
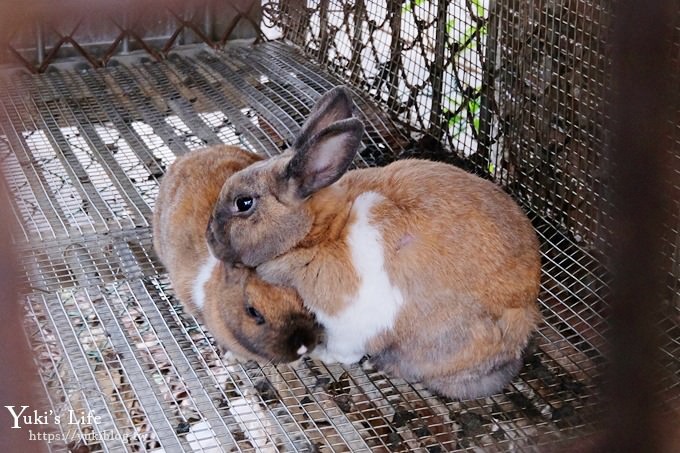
[94, 106]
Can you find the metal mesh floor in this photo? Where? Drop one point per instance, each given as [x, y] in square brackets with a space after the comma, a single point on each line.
[83, 151]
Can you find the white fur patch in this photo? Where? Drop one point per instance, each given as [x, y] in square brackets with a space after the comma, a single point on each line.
[374, 307]
[204, 273]
[302, 350]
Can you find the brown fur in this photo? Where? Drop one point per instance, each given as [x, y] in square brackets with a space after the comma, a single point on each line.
[185, 202]
[462, 253]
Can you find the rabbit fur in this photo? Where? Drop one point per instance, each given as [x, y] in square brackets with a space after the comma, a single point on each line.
[432, 271]
[250, 317]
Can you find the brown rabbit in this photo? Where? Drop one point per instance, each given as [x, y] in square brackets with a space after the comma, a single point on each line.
[429, 269]
[248, 316]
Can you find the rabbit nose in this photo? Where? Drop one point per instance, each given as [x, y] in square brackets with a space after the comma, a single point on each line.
[298, 342]
[302, 341]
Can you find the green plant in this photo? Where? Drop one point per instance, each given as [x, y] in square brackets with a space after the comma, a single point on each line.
[408, 7]
[462, 117]
[458, 122]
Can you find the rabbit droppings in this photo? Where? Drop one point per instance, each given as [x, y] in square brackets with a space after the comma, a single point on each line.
[432, 271]
[246, 315]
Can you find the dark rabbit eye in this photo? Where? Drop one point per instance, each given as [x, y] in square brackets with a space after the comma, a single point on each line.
[244, 204]
[256, 315]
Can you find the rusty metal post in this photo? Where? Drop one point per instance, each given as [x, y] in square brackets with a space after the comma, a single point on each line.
[642, 101]
[18, 374]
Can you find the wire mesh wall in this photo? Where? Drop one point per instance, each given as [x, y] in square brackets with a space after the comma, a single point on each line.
[516, 88]
[511, 90]
[96, 35]
[423, 60]
[82, 154]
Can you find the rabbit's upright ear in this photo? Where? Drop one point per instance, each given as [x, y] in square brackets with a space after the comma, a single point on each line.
[326, 145]
[333, 106]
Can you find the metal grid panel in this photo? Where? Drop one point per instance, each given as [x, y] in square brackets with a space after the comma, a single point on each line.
[112, 339]
[529, 81]
[551, 85]
[514, 89]
[96, 35]
[423, 60]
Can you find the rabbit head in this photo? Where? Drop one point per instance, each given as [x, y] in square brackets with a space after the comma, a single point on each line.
[248, 316]
[256, 320]
[261, 211]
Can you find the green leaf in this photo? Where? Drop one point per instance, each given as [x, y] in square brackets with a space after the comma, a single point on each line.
[479, 8]
[450, 26]
[455, 120]
[473, 106]
[408, 7]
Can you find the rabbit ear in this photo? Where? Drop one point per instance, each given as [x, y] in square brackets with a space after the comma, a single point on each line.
[325, 157]
[333, 106]
[216, 243]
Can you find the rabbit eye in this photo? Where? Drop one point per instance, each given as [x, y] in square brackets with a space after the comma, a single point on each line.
[244, 204]
[256, 315]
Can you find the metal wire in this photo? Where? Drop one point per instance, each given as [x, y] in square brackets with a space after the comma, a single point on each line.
[97, 36]
[113, 339]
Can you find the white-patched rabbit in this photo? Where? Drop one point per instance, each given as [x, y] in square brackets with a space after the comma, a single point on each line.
[250, 317]
[431, 270]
